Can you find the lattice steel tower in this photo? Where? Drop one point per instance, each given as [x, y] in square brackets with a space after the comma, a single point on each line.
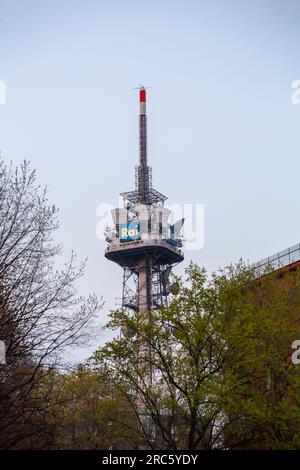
[142, 241]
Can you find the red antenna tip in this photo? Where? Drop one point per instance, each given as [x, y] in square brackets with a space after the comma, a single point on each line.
[142, 95]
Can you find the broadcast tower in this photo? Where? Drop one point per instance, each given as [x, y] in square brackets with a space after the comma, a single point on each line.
[142, 241]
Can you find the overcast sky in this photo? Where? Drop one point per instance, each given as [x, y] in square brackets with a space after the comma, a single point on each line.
[222, 129]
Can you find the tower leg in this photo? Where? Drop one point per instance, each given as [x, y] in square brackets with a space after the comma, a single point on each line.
[142, 287]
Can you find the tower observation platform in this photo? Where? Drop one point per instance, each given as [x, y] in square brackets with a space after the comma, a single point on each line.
[126, 255]
[142, 241]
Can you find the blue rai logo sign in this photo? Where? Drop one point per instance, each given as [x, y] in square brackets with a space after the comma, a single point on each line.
[130, 231]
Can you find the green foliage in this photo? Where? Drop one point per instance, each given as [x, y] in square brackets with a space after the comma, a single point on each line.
[212, 370]
[84, 412]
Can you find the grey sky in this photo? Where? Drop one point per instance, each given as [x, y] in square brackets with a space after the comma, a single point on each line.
[222, 128]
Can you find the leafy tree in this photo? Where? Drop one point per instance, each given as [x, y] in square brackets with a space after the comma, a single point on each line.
[85, 412]
[212, 370]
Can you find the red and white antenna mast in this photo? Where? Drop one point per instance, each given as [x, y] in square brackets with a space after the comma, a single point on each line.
[144, 192]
